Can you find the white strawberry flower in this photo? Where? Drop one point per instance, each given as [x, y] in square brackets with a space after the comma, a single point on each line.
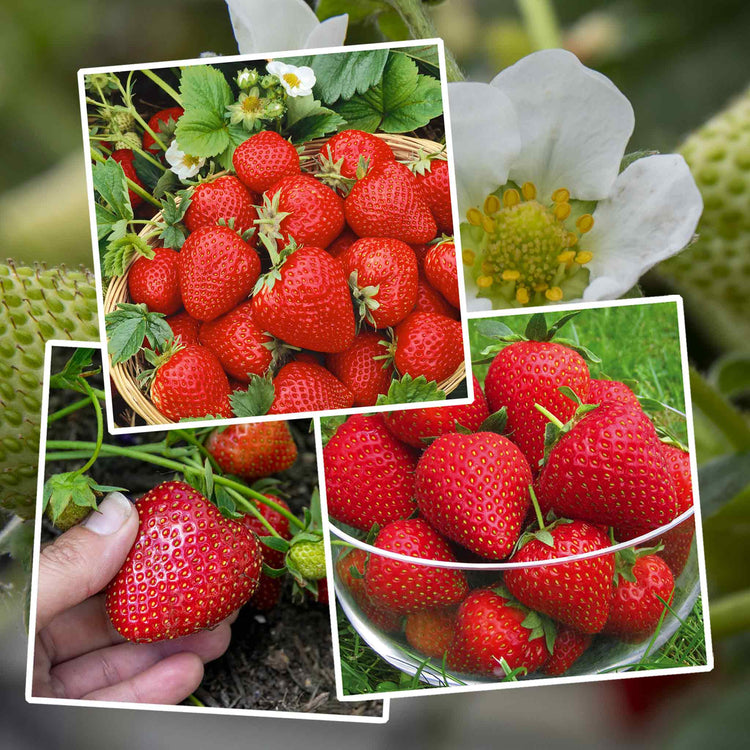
[262, 26]
[183, 165]
[297, 81]
[549, 216]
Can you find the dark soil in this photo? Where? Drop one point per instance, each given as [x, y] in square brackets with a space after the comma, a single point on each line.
[277, 661]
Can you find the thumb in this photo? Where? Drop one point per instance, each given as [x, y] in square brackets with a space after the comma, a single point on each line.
[83, 560]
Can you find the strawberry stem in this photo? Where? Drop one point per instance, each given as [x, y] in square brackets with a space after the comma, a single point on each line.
[99, 428]
[163, 85]
[552, 418]
[537, 509]
[252, 510]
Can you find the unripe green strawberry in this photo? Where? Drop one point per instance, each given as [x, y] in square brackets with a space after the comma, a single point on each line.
[127, 140]
[123, 121]
[309, 558]
[714, 272]
[36, 304]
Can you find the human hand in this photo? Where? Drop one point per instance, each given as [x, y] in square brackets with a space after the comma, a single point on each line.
[78, 654]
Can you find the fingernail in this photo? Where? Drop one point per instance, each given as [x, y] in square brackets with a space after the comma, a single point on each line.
[113, 512]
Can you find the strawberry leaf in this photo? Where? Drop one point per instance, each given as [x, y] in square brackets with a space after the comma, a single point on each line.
[410, 390]
[109, 181]
[496, 422]
[275, 543]
[307, 118]
[166, 184]
[122, 250]
[129, 325]
[256, 400]
[273, 572]
[587, 354]
[70, 376]
[225, 503]
[492, 329]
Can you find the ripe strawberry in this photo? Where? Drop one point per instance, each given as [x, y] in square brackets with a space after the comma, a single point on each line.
[474, 489]
[191, 383]
[569, 646]
[155, 282]
[184, 327]
[421, 250]
[125, 157]
[225, 198]
[188, 570]
[349, 146]
[431, 631]
[301, 207]
[238, 343]
[369, 474]
[342, 243]
[306, 302]
[384, 274]
[602, 391]
[304, 386]
[268, 594]
[162, 123]
[636, 609]
[413, 425]
[609, 470]
[407, 587]
[387, 203]
[264, 159]
[530, 372]
[252, 451]
[441, 271]
[428, 344]
[357, 368]
[322, 597]
[578, 593]
[434, 181]
[217, 271]
[678, 541]
[431, 301]
[490, 628]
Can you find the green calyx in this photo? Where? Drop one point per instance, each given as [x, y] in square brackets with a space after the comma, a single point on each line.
[330, 172]
[625, 560]
[538, 625]
[422, 163]
[364, 300]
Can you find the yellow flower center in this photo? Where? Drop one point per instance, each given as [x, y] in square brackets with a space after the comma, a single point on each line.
[527, 250]
[251, 104]
[292, 79]
[191, 161]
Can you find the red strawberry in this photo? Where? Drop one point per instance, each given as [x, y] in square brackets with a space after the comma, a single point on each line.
[349, 146]
[431, 631]
[369, 474]
[322, 597]
[602, 391]
[268, 594]
[264, 159]
[225, 198]
[384, 272]
[636, 608]
[252, 451]
[162, 123]
[191, 383]
[431, 301]
[217, 271]
[155, 281]
[413, 425]
[578, 593]
[490, 628]
[342, 243]
[189, 568]
[306, 302]
[238, 343]
[530, 372]
[124, 156]
[407, 587]
[441, 271]
[434, 181]
[387, 203]
[304, 386]
[421, 250]
[569, 646]
[301, 207]
[474, 489]
[678, 541]
[609, 470]
[184, 327]
[430, 345]
[357, 368]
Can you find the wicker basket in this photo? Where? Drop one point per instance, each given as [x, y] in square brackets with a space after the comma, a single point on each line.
[125, 375]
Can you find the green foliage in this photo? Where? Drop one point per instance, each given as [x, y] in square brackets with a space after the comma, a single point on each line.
[110, 183]
[256, 400]
[75, 369]
[129, 325]
[72, 488]
[307, 118]
[410, 390]
[121, 251]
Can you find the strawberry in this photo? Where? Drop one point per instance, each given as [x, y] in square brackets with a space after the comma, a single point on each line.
[369, 474]
[306, 303]
[578, 593]
[569, 646]
[474, 489]
[431, 631]
[264, 159]
[678, 541]
[489, 627]
[124, 157]
[184, 327]
[301, 207]
[163, 124]
[384, 275]
[217, 271]
[602, 391]
[357, 368]
[421, 250]
[407, 587]
[268, 594]
[636, 608]
[155, 281]
[308, 558]
[428, 344]
[342, 243]
[322, 597]
[441, 271]
[252, 451]
[433, 177]
[304, 386]
[225, 198]
[238, 343]
[349, 146]
[387, 203]
[191, 383]
[431, 301]
[189, 568]
[530, 372]
[608, 469]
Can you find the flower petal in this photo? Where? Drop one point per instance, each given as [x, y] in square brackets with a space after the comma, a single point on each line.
[574, 124]
[485, 137]
[329, 33]
[474, 303]
[260, 26]
[651, 214]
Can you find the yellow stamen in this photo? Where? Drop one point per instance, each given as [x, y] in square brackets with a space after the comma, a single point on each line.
[541, 287]
[584, 256]
[528, 189]
[474, 217]
[492, 204]
[555, 294]
[511, 198]
[469, 256]
[488, 225]
[566, 256]
[561, 211]
[561, 195]
[484, 282]
[511, 275]
[585, 223]
[292, 79]
[487, 267]
[522, 296]
[572, 239]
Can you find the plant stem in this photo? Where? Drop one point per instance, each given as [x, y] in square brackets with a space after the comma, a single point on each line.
[188, 438]
[163, 85]
[60, 413]
[552, 418]
[252, 510]
[541, 23]
[730, 614]
[537, 509]
[99, 429]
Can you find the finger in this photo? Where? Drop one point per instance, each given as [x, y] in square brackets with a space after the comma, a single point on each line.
[168, 682]
[83, 560]
[110, 666]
